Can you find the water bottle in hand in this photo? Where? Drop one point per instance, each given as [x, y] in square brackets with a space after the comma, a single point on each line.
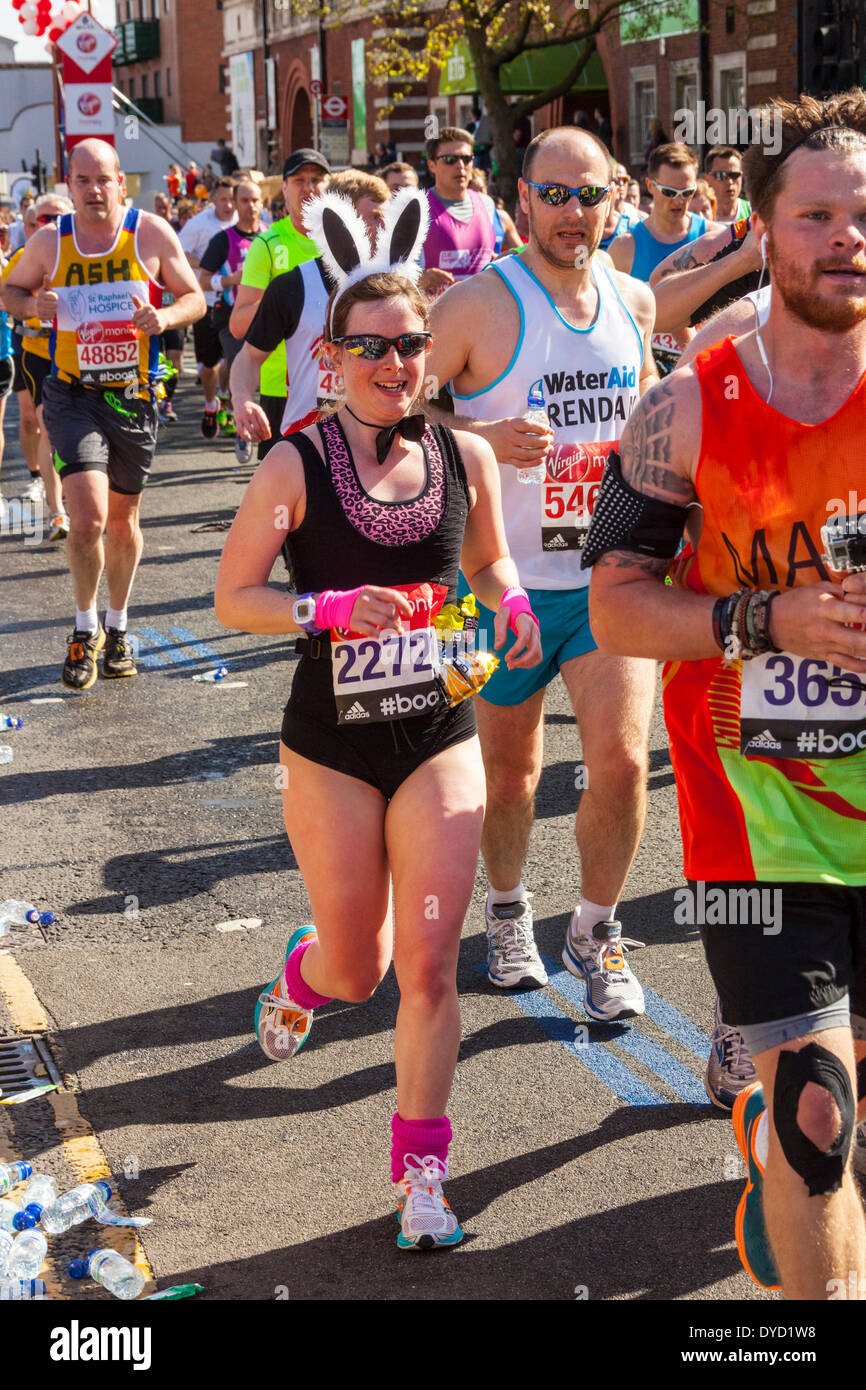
[110, 1270]
[28, 1253]
[40, 1192]
[537, 413]
[11, 1173]
[75, 1206]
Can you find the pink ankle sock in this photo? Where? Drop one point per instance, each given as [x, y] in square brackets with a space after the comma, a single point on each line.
[297, 986]
[419, 1137]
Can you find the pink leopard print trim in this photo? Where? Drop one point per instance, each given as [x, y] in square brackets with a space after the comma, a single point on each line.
[387, 523]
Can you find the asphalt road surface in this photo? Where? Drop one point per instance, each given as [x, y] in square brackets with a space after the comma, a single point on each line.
[587, 1162]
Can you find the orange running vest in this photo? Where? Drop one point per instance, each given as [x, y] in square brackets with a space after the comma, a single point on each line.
[769, 754]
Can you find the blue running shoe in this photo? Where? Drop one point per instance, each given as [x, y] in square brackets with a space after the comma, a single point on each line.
[756, 1256]
[282, 1026]
[426, 1220]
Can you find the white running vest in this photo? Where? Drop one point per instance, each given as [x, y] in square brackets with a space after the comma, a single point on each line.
[310, 385]
[590, 378]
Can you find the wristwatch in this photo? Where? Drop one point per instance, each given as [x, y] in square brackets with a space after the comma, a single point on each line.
[304, 613]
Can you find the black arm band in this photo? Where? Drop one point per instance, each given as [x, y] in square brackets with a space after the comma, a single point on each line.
[623, 519]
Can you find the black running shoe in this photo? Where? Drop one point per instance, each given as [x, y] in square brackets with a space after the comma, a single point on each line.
[117, 658]
[79, 672]
[209, 424]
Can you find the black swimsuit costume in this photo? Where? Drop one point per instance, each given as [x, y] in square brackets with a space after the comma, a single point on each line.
[349, 538]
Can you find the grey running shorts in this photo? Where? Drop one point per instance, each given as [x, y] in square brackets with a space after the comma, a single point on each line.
[100, 431]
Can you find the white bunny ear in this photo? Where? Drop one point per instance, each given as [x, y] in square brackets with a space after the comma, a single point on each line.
[334, 224]
[406, 224]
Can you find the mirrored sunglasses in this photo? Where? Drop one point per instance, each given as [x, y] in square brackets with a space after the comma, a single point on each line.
[372, 346]
[556, 195]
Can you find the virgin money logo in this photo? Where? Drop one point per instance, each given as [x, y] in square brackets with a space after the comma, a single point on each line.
[86, 43]
[90, 333]
[89, 104]
[569, 462]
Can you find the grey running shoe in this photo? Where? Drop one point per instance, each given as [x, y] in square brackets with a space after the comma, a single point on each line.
[513, 961]
[730, 1068]
[243, 449]
[859, 1156]
[612, 992]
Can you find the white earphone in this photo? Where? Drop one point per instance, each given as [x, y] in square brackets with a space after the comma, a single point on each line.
[758, 340]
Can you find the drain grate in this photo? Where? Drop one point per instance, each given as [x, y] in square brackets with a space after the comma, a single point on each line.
[24, 1062]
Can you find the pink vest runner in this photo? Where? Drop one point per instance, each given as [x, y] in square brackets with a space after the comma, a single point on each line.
[464, 248]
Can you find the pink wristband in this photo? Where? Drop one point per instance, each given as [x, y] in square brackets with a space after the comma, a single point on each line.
[334, 607]
[516, 600]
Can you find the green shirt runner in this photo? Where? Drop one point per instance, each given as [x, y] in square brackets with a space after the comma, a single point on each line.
[280, 248]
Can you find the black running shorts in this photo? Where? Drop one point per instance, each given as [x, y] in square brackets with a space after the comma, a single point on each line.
[36, 371]
[7, 376]
[274, 407]
[801, 947]
[206, 339]
[100, 431]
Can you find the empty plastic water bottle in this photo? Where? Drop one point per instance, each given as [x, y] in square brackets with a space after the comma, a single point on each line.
[11, 721]
[75, 1206]
[14, 913]
[110, 1270]
[28, 1254]
[22, 1289]
[6, 1243]
[218, 675]
[537, 413]
[9, 1209]
[39, 1193]
[5, 753]
[11, 1173]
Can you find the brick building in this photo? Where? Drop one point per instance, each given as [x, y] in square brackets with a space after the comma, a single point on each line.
[168, 61]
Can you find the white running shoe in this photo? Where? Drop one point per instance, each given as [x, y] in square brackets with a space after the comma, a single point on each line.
[426, 1220]
[730, 1068]
[859, 1157]
[513, 961]
[34, 491]
[58, 527]
[612, 992]
[243, 449]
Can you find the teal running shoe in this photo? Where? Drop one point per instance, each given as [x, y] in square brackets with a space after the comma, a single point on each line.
[426, 1220]
[282, 1026]
[752, 1242]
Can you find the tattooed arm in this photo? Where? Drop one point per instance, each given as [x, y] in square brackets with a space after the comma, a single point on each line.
[631, 611]
[690, 276]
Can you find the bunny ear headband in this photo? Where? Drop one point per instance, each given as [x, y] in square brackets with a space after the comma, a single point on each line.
[339, 231]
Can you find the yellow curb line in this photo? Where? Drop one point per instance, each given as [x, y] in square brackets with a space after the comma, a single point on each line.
[81, 1148]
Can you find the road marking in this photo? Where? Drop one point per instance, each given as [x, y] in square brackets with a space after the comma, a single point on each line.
[669, 1018]
[681, 1080]
[80, 1147]
[169, 652]
[190, 639]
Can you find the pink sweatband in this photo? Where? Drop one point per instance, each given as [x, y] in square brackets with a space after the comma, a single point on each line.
[420, 1137]
[299, 990]
[516, 600]
[334, 607]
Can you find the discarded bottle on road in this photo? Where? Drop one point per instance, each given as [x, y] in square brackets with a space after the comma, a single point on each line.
[28, 1255]
[5, 753]
[9, 1209]
[219, 674]
[14, 913]
[11, 1173]
[536, 411]
[6, 1243]
[39, 1193]
[11, 721]
[23, 1289]
[110, 1270]
[75, 1206]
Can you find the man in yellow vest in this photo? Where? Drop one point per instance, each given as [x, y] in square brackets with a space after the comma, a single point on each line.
[98, 277]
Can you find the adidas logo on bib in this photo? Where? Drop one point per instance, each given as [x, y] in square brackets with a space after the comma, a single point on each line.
[764, 740]
[357, 711]
[557, 543]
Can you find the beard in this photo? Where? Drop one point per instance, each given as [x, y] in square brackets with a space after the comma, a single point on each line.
[547, 247]
[799, 291]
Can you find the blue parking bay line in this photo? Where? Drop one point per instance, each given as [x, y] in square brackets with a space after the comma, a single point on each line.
[146, 658]
[190, 640]
[166, 651]
[682, 1082]
[593, 1055]
[672, 1021]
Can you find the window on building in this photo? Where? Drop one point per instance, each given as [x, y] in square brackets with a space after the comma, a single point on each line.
[157, 84]
[643, 104]
[684, 86]
[223, 80]
[730, 19]
[168, 82]
[166, 6]
[132, 87]
[144, 85]
[729, 85]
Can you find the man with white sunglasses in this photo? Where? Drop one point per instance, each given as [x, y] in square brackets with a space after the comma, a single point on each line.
[671, 180]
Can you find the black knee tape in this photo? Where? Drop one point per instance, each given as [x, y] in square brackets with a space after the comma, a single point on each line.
[821, 1171]
[861, 1079]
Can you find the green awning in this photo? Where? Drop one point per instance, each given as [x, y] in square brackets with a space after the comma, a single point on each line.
[535, 71]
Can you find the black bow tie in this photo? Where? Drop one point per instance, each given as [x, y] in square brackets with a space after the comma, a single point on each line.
[411, 427]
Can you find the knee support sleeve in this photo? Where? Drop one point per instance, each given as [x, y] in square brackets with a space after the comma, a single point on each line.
[821, 1170]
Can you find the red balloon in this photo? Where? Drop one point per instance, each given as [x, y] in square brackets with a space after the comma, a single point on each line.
[43, 6]
[16, 4]
[54, 33]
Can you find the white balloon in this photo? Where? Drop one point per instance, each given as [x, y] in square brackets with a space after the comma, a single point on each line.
[28, 11]
[30, 26]
[71, 10]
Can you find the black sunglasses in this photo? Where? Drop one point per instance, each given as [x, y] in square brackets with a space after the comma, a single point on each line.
[372, 346]
[556, 195]
[48, 217]
[724, 174]
[466, 159]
